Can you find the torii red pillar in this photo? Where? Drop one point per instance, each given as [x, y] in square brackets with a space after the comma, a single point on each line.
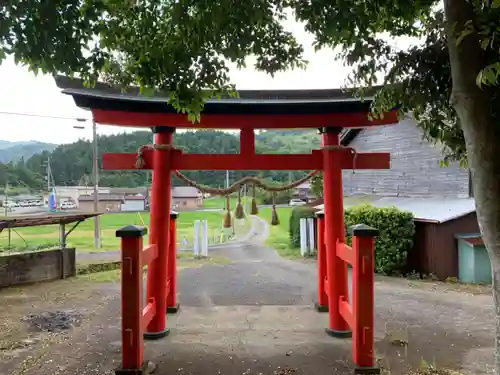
[336, 269]
[159, 232]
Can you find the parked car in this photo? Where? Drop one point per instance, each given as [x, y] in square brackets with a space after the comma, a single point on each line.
[68, 205]
[296, 202]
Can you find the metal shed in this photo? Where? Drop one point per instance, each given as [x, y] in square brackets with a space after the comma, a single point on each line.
[437, 222]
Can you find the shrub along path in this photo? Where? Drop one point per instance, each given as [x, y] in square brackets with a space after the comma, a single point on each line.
[255, 316]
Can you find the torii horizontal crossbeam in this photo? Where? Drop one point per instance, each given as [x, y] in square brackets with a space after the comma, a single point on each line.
[198, 162]
[212, 121]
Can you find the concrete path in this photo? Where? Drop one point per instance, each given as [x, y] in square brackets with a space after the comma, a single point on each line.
[114, 255]
[255, 316]
[439, 324]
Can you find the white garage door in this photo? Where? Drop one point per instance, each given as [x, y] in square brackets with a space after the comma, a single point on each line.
[133, 205]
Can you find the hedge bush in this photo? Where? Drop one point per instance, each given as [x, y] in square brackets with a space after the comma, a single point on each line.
[396, 231]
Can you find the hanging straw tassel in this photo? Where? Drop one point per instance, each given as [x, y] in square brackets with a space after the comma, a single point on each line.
[239, 213]
[227, 217]
[254, 210]
[275, 220]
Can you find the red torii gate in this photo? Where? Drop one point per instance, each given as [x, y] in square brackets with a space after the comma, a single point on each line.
[327, 110]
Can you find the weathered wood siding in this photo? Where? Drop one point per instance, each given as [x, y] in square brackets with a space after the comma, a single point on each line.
[415, 168]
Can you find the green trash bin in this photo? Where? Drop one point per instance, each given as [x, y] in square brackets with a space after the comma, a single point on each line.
[474, 265]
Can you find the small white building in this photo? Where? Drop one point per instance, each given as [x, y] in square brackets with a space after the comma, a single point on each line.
[134, 203]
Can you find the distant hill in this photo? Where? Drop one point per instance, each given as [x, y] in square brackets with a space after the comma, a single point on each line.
[14, 151]
[71, 164]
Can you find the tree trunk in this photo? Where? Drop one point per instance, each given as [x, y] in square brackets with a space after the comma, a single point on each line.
[482, 135]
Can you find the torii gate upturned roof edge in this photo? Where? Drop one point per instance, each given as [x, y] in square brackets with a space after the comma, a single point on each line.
[257, 109]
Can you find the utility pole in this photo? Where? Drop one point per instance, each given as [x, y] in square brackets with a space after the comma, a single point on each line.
[245, 192]
[6, 211]
[5, 196]
[50, 187]
[48, 174]
[95, 181]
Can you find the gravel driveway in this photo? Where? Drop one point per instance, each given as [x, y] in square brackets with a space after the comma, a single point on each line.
[255, 316]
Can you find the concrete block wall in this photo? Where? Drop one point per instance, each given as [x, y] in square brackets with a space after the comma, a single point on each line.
[30, 267]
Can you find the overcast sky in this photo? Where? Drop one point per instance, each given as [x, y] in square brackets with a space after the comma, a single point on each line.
[24, 93]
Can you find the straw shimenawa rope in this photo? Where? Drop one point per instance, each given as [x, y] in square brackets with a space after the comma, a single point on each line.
[239, 213]
[275, 220]
[353, 152]
[236, 187]
[254, 210]
[245, 180]
[227, 218]
[140, 163]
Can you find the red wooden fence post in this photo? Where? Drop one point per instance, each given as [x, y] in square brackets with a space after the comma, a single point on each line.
[336, 269]
[172, 305]
[131, 294]
[322, 304]
[159, 232]
[363, 351]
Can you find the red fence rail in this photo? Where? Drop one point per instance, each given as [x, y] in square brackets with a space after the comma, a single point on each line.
[172, 305]
[359, 312]
[135, 315]
[135, 318]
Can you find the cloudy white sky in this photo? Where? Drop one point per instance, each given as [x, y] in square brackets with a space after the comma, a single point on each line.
[22, 92]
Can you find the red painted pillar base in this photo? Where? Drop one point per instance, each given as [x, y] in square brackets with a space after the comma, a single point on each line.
[131, 298]
[322, 303]
[172, 304]
[363, 343]
[366, 371]
[146, 369]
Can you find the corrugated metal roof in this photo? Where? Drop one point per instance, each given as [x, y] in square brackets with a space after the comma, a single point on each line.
[23, 221]
[120, 190]
[437, 210]
[134, 198]
[101, 198]
[185, 192]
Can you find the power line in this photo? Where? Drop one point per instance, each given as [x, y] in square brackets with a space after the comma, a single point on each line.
[79, 119]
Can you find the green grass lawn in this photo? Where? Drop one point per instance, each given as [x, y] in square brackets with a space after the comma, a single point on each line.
[82, 237]
[220, 202]
[279, 238]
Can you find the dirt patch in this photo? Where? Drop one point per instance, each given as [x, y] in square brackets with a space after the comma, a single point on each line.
[36, 317]
[54, 321]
